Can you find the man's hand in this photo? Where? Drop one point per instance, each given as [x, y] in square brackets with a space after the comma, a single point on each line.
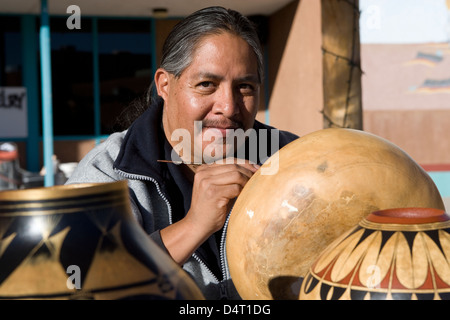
[215, 189]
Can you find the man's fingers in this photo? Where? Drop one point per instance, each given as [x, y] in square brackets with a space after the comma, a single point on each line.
[242, 162]
[218, 168]
[224, 179]
[227, 193]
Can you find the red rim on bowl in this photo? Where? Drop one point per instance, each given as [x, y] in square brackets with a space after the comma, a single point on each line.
[408, 216]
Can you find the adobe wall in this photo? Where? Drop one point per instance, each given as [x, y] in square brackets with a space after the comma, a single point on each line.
[295, 68]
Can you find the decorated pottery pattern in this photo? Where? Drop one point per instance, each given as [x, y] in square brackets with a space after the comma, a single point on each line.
[81, 242]
[398, 254]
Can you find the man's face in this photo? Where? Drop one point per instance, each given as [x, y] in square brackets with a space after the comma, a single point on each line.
[220, 88]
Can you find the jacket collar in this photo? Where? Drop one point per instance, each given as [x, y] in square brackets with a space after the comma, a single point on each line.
[143, 144]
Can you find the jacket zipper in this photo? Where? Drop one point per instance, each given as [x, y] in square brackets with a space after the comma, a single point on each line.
[222, 256]
[194, 255]
[222, 250]
[133, 176]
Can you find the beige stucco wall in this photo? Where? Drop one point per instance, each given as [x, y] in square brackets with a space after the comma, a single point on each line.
[423, 134]
[295, 68]
[399, 108]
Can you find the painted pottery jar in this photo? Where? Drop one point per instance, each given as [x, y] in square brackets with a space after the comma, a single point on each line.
[394, 254]
[81, 242]
[309, 193]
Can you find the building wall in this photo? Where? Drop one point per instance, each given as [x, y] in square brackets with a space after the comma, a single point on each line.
[295, 68]
[163, 28]
[406, 99]
[423, 134]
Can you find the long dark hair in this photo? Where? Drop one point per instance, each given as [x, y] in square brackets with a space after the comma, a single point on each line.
[181, 43]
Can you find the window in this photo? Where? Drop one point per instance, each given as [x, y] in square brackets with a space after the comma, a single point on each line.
[72, 78]
[96, 72]
[10, 52]
[125, 62]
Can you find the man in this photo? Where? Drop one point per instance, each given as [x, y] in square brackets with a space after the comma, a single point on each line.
[208, 87]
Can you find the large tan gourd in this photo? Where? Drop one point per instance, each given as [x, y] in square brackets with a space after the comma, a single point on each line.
[326, 182]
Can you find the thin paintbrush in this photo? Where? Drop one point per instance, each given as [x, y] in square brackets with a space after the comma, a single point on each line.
[170, 161]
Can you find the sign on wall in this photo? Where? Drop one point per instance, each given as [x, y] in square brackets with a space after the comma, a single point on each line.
[13, 112]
